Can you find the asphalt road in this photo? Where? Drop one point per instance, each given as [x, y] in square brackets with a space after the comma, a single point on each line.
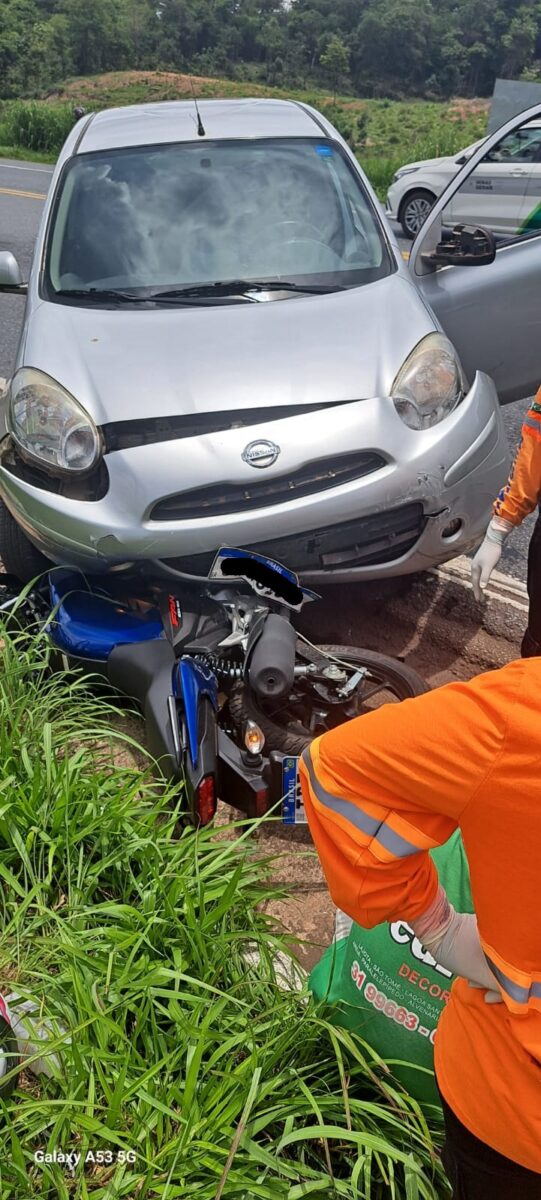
[23, 187]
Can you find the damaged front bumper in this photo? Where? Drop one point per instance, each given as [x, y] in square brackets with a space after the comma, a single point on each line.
[428, 501]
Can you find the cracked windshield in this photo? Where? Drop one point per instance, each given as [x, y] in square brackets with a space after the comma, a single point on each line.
[185, 214]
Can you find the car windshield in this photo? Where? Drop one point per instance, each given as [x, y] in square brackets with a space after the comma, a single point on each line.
[175, 216]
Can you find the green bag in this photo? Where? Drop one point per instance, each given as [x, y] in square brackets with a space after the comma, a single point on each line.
[389, 989]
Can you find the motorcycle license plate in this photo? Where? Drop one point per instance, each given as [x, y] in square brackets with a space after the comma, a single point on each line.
[292, 806]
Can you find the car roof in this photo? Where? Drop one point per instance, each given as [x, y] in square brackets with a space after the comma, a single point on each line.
[176, 121]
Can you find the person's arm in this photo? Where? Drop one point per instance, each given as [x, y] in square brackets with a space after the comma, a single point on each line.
[521, 494]
[516, 500]
[383, 789]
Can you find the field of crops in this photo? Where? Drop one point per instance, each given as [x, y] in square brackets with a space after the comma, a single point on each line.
[383, 133]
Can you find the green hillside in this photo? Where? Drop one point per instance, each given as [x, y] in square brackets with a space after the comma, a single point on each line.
[383, 133]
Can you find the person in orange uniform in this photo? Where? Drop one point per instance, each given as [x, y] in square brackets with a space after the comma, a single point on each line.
[379, 793]
[520, 496]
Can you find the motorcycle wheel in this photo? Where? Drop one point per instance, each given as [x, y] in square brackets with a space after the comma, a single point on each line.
[388, 680]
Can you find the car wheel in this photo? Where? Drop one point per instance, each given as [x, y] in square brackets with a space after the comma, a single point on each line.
[414, 210]
[17, 555]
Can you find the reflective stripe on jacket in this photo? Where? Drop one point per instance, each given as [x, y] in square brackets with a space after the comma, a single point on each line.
[522, 491]
[383, 789]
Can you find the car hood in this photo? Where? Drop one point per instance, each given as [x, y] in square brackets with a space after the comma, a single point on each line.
[449, 160]
[124, 364]
[441, 161]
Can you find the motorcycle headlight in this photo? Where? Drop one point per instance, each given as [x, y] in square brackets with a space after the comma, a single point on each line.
[49, 425]
[430, 384]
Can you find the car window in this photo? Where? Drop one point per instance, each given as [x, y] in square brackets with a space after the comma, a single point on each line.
[503, 192]
[184, 214]
[523, 145]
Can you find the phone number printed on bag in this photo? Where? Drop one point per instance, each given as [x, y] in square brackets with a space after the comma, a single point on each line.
[389, 1008]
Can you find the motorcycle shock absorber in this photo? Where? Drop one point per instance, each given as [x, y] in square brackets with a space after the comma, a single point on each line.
[223, 668]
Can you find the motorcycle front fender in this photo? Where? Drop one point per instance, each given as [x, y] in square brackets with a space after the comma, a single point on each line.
[144, 672]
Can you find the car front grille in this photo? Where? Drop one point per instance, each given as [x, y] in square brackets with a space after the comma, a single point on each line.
[369, 541]
[224, 498]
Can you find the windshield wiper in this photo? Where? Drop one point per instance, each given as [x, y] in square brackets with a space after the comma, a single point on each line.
[102, 294]
[231, 287]
[174, 296]
[235, 288]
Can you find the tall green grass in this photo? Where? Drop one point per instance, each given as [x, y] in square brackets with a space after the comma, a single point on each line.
[129, 933]
[33, 125]
[383, 133]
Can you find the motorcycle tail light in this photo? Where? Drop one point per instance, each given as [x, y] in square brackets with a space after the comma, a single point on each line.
[205, 799]
[261, 801]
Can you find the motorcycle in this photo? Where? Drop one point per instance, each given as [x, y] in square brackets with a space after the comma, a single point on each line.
[230, 692]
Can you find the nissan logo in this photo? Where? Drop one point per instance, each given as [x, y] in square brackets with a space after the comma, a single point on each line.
[260, 454]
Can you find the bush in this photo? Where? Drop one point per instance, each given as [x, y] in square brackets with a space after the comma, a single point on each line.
[132, 936]
[380, 171]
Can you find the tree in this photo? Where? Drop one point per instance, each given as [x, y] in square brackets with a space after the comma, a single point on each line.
[387, 48]
[97, 39]
[335, 61]
[519, 43]
[393, 47]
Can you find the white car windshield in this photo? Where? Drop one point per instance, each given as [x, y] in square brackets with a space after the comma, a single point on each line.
[174, 216]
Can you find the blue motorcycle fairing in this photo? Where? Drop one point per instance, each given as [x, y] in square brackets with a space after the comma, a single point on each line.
[191, 680]
[229, 557]
[88, 625]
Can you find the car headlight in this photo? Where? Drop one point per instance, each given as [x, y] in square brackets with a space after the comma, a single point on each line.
[404, 171]
[49, 425]
[430, 384]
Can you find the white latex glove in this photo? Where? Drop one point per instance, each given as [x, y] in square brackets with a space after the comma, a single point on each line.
[488, 555]
[453, 939]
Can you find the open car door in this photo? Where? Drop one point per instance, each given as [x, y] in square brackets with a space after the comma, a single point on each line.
[490, 308]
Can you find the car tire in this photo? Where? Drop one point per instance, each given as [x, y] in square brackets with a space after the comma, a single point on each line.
[17, 554]
[414, 210]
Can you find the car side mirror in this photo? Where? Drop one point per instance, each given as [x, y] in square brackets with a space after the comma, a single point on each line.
[11, 279]
[463, 246]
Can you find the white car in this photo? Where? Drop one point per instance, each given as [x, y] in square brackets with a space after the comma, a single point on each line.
[417, 185]
[490, 197]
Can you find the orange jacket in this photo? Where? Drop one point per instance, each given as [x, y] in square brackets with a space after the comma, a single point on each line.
[522, 491]
[383, 789]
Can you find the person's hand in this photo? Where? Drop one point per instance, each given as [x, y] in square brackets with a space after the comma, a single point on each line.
[487, 557]
[453, 940]
[459, 950]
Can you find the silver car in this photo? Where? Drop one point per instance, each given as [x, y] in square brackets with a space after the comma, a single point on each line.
[154, 414]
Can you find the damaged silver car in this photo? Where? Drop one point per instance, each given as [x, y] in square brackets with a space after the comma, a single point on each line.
[223, 345]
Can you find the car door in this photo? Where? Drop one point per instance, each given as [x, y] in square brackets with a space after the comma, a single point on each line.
[531, 212]
[491, 313]
[492, 196]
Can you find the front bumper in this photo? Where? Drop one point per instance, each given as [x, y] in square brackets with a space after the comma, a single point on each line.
[450, 473]
[392, 202]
